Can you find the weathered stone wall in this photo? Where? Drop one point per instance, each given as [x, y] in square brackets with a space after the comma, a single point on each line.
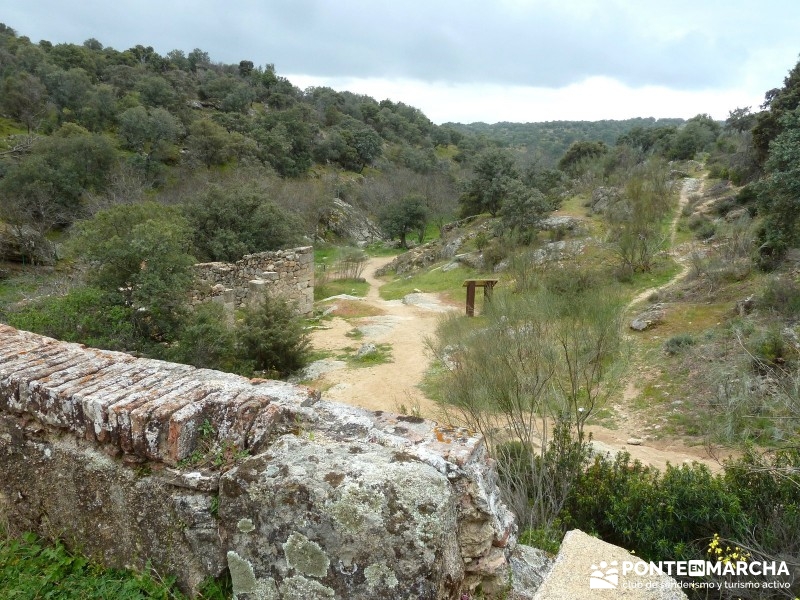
[135, 460]
[289, 273]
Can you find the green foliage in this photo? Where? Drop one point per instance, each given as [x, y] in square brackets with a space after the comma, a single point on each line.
[206, 340]
[636, 222]
[779, 191]
[543, 354]
[152, 133]
[233, 220]
[670, 514]
[24, 98]
[140, 258]
[57, 173]
[698, 135]
[85, 315]
[351, 144]
[769, 349]
[782, 295]
[551, 140]
[767, 487]
[272, 338]
[495, 174]
[778, 103]
[580, 152]
[400, 218]
[678, 343]
[522, 211]
[31, 568]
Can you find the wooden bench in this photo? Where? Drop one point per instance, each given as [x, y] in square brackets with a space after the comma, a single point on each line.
[471, 284]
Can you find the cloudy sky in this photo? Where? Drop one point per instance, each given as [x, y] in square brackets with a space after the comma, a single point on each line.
[469, 60]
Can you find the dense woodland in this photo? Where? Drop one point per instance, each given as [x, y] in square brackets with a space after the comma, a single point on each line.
[121, 168]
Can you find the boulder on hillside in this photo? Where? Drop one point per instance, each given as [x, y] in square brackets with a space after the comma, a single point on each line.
[648, 318]
[347, 222]
[602, 198]
[25, 245]
[587, 567]
[562, 223]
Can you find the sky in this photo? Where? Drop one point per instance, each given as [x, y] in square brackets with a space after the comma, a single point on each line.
[469, 60]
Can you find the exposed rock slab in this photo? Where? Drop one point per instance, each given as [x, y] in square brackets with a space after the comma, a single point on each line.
[649, 318]
[582, 555]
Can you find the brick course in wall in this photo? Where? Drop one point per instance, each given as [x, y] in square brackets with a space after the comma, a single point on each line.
[141, 409]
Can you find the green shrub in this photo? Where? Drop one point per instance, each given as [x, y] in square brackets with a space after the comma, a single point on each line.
[658, 515]
[206, 340]
[85, 315]
[271, 338]
[769, 349]
[767, 486]
[703, 227]
[678, 343]
[782, 295]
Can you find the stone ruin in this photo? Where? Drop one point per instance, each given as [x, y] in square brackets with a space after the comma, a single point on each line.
[197, 471]
[289, 273]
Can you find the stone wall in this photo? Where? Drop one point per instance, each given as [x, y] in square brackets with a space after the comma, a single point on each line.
[289, 273]
[135, 460]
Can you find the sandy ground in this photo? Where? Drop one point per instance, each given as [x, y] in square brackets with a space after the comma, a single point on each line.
[393, 386]
[405, 327]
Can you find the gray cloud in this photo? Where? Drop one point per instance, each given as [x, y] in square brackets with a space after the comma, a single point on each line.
[673, 43]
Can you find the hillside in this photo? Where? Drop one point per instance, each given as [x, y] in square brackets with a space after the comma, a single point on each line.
[551, 140]
[644, 325]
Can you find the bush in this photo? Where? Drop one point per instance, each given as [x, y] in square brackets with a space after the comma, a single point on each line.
[85, 315]
[271, 338]
[636, 507]
[206, 340]
[782, 295]
[767, 486]
[769, 350]
[678, 343]
[703, 227]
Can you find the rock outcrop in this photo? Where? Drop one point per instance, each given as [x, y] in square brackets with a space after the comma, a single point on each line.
[348, 223]
[195, 471]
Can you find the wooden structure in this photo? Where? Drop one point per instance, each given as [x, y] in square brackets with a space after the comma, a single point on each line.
[471, 284]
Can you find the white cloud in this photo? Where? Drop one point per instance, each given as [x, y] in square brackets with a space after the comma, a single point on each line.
[593, 99]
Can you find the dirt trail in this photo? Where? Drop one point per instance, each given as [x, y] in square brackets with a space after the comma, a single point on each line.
[405, 327]
[690, 186]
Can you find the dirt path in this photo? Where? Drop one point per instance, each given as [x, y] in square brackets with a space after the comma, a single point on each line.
[690, 186]
[405, 325]
[656, 452]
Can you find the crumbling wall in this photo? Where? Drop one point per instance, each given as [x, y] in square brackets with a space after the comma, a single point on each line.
[135, 460]
[289, 273]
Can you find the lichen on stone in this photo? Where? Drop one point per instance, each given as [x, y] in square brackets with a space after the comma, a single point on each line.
[306, 556]
[379, 575]
[242, 576]
[245, 525]
[356, 508]
[300, 588]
